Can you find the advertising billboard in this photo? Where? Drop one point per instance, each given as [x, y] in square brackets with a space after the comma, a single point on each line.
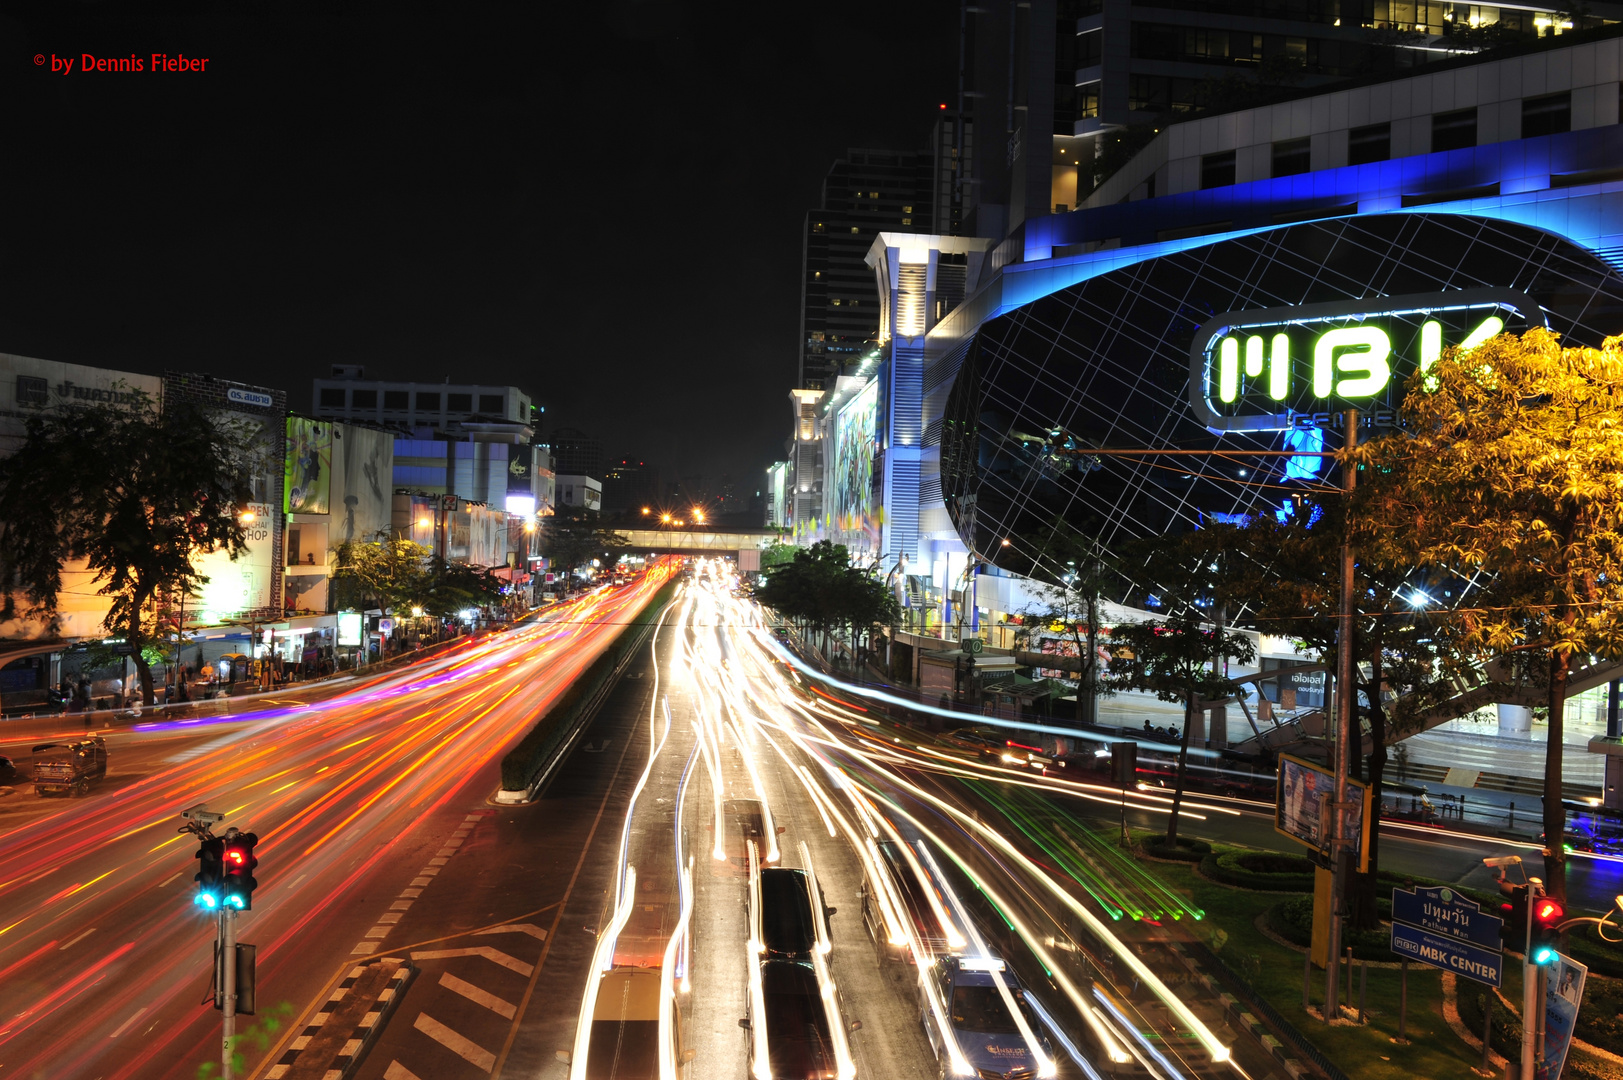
[855, 443]
[307, 471]
[349, 627]
[1303, 790]
[1282, 368]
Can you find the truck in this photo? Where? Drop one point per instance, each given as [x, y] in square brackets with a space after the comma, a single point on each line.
[69, 768]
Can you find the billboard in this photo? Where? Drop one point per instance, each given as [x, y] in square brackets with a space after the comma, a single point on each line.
[308, 468]
[1563, 994]
[1301, 788]
[855, 442]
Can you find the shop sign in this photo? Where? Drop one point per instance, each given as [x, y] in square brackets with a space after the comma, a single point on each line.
[1278, 368]
[349, 628]
[248, 397]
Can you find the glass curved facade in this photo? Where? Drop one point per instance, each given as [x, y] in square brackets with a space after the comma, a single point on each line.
[1280, 330]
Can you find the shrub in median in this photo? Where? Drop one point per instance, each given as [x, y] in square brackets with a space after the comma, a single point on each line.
[530, 756]
[1262, 870]
[1187, 850]
[1293, 920]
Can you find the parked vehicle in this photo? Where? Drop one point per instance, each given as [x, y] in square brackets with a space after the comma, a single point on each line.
[69, 768]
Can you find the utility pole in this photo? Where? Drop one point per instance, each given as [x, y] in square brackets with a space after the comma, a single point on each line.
[1346, 708]
[228, 986]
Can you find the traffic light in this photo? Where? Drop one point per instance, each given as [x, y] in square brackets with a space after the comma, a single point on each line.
[210, 876]
[1513, 933]
[1547, 917]
[239, 871]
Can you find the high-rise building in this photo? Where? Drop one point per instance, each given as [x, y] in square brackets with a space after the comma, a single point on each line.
[487, 413]
[576, 453]
[1056, 94]
[865, 193]
[630, 485]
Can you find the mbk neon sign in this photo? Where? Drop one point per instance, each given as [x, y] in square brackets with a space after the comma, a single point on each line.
[1268, 370]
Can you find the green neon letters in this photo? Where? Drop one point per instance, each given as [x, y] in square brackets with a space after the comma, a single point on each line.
[1360, 355]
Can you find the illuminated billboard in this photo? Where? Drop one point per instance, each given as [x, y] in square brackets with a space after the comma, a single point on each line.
[308, 468]
[853, 521]
[1282, 368]
[1302, 798]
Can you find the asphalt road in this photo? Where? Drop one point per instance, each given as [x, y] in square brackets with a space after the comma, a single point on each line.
[358, 799]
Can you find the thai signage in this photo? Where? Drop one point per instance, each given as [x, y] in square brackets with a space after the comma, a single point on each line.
[1281, 368]
[1439, 927]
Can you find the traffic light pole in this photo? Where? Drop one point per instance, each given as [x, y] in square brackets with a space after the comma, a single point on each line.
[1346, 703]
[228, 987]
[1531, 975]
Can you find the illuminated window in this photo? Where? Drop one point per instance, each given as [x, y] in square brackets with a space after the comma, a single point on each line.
[818, 227]
[907, 209]
[873, 194]
[907, 221]
[836, 302]
[1087, 101]
[854, 228]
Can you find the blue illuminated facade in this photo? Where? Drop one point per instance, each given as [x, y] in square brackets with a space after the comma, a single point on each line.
[1077, 328]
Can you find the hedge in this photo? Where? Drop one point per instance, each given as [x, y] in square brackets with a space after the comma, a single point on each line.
[1188, 850]
[1261, 870]
[555, 726]
[1293, 920]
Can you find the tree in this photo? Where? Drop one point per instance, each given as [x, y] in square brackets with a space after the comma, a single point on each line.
[821, 590]
[1183, 656]
[448, 588]
[570, 542]
[1080, 573]
[386, 572]
[1509, 469]
[133, 491]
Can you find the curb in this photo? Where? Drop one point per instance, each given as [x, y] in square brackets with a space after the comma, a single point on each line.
[366, 1031]
[1242, 1019]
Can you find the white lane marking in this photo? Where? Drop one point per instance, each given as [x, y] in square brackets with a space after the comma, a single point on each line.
[515, 928]
[125, 1025]
[470, 1051]
[473, 818]
[296, 881]
[419, 882]
[76, 940]
[389, 918]
[482, 950]
[397, 1071]
[411, 894]
[175, 878]
[433, 867]
[477, 996]
[453, 843]
[401, 905]
[378, 932]
[444, 853]
[364, 948]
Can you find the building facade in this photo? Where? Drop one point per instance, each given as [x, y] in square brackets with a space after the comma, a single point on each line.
[349, 395]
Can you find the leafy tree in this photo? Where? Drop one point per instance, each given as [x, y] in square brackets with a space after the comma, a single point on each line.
[1080, 573]
[821, 590]
[133, 491]
[571, 542]
[1510, 467]
[1183, 656]
[448, 588]
[386, 572]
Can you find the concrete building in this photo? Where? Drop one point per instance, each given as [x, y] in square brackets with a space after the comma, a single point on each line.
[576, 453]
[864, 193]
[580, 492]
[629, 486]
[498, 412]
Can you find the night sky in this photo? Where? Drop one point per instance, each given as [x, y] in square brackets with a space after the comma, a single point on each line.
[600, 203]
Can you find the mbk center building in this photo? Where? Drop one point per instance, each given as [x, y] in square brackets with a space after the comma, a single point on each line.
[1212, 295]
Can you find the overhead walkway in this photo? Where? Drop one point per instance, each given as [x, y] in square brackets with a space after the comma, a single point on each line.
[1475, 692]
[698, 540]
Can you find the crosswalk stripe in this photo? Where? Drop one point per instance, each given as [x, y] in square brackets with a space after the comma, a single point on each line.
[482, 950]
[470, 1051]
[397, 1071]
[515, 928]
[477, 996]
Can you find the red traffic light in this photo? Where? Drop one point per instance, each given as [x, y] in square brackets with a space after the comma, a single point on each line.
[1547, 912]
[234, 856]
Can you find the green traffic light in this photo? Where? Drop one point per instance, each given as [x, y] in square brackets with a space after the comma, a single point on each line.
[1543, 955]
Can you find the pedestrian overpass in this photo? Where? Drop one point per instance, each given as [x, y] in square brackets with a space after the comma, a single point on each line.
[690, 541]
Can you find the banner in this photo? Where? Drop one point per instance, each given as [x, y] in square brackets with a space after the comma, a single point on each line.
[308, 471]
[1563, 992]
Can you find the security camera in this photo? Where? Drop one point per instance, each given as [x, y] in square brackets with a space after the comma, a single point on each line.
[202, 815]
[1503, 860]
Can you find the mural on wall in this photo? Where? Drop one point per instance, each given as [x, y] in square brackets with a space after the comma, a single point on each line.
[367, 468]
[854, 522]
[308, 469]
[239, 586]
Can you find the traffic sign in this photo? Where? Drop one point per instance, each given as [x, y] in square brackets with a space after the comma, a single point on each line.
[1441, 910]
[1448, 953]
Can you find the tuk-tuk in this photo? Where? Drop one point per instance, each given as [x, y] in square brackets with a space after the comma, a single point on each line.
[69, 768]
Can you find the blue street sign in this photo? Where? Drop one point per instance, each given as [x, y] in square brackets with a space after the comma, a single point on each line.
[1450, 954]
[1444, 911]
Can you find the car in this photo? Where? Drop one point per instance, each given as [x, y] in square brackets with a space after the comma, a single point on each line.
[788, 914]
[743, 821]
[906, 888]
[795, 1033]
[624, 1040]
[978, 1023]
